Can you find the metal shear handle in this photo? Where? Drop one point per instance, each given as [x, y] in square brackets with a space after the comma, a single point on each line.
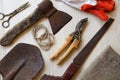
[2, 16]
[6, 23]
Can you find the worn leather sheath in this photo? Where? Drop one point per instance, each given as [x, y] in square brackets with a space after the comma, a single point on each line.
[45, 9]
[23, 62]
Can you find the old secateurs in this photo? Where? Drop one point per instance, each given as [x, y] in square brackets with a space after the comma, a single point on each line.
[74, 38]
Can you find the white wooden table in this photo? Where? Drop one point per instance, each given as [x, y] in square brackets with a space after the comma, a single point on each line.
[112, 36]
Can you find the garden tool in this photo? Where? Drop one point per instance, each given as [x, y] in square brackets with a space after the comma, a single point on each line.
[82, 56]
[105, 67]
[74, 38]
[96, 7]
[45, 9]
[23, 62]
[6, 23]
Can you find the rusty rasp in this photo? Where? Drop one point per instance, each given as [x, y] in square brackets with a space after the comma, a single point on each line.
[23, 62]
[82, 56]
[45, 9]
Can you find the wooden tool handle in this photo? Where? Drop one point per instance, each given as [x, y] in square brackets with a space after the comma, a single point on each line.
[21, 26]
[70, 72]
[68, 40]
[14, 32]
[73, 45]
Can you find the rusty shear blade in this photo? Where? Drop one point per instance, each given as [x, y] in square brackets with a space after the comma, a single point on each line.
[23, 7]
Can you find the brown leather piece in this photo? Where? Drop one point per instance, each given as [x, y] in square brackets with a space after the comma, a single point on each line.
[23, 62]
[57, 18]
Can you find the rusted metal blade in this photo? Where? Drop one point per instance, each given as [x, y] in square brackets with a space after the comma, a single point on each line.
[45, 9]
[58, 20]
[82, 56]
[23, 62]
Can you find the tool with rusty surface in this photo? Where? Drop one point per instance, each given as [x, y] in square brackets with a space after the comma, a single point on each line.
[82, 56]
[45, 9]
[23, 62]
[6, 23]
[105, 67]
[74, 38]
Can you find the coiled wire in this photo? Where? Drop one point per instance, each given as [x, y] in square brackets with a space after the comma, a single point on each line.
[45, 40]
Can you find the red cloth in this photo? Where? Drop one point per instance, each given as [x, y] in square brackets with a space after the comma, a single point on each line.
[100, 9]
[96, 7]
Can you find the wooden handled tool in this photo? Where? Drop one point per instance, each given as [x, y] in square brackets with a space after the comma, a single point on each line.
[74, 38]
[56, 54]
[82, 56]
[72, 46]
[45, 9]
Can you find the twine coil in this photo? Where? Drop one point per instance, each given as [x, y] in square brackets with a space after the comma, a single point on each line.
[45, 40]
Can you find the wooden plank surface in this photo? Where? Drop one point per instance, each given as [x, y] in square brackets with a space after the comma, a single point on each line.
[112, 37]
